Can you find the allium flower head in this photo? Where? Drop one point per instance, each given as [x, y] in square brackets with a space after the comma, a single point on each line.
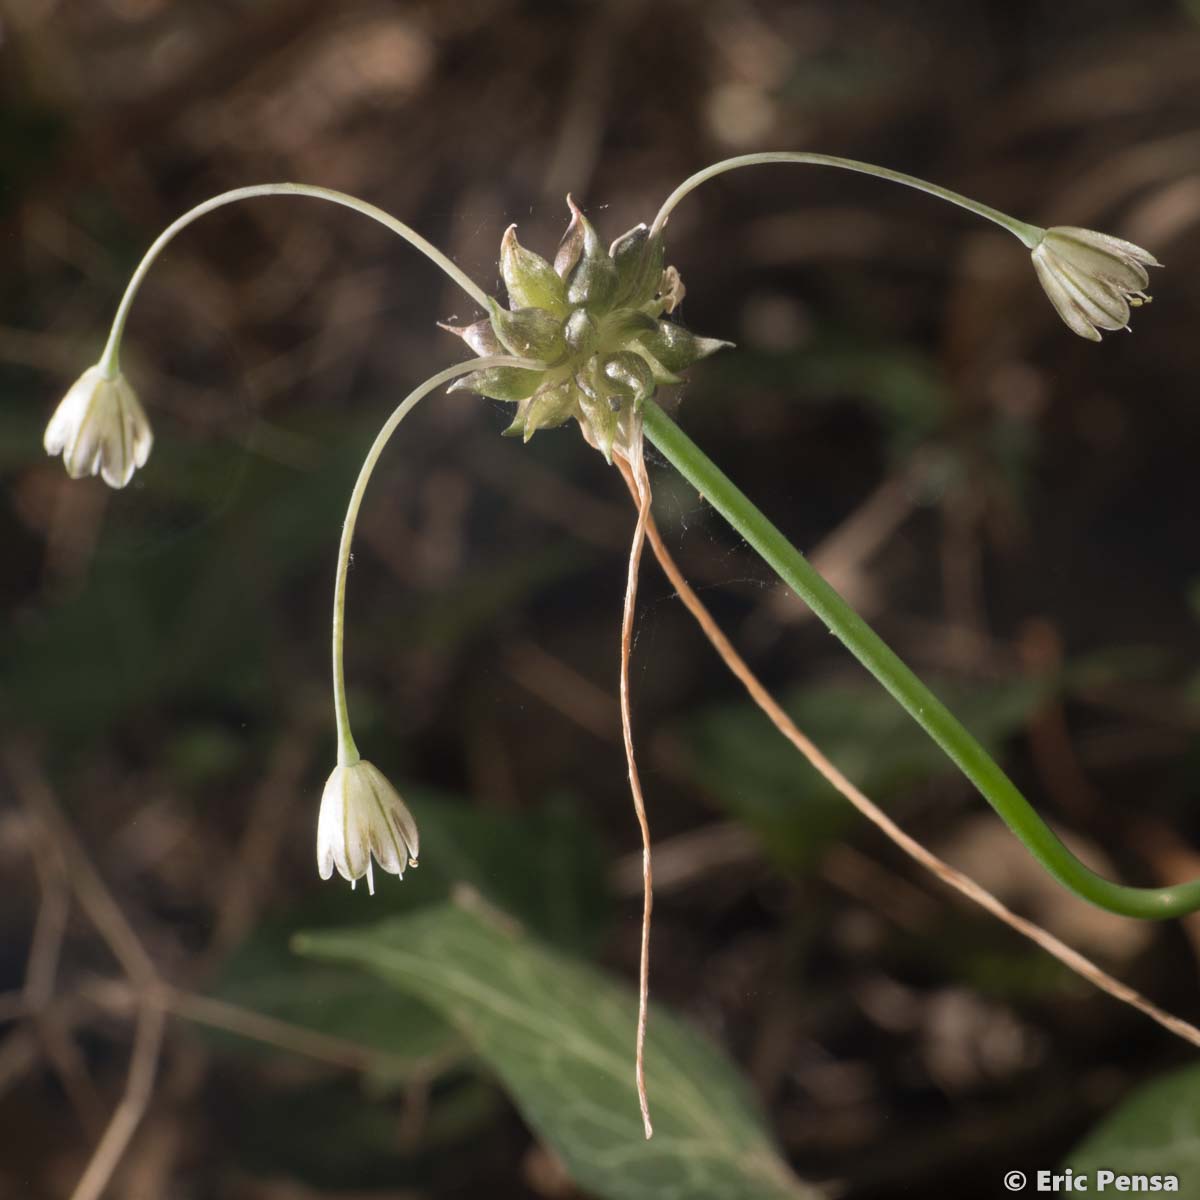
[100, 429]
[1091, 278]
[593, 322]
[362, 816]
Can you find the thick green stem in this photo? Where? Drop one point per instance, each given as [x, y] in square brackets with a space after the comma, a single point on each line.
[1029, 234]
[921, 704]
[109, 360]
[347, 751]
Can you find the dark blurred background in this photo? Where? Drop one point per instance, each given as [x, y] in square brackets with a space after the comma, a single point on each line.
[1015, 510]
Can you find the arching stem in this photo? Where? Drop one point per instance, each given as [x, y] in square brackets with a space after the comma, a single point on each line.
[347, 751]
[109, 360]
[921, 704]
[1029, 234]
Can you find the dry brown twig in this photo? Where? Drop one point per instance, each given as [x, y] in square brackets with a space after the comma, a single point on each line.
[119, 998]
[241, 888]
[41, 969]
[955, 879]
[143, 991]
[105, 914]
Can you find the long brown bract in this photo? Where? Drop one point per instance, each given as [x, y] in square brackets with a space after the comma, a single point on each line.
[634, 469]
[964, 884]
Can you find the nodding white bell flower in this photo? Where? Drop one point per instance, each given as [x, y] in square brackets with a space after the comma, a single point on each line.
[100, 428]
[1091, 278]
[362, 816]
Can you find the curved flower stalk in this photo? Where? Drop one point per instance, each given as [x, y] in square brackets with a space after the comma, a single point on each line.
[100, 426]
[1092, 279]
[361, 813]
[1106, 270]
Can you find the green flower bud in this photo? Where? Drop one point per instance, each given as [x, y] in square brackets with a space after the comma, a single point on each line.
[531, 281]
[639, 263]
[592, 282]
[529, 332]
[499, 383]
[480, 336]
[677, 349]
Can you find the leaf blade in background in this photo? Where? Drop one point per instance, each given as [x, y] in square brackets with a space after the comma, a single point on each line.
[560, 893]
[1154, 1131]
[560, 1036]
[754, 773]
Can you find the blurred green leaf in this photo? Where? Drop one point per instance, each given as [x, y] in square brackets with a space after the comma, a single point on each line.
[1193, 597]
[31, 136]
[405, 1034]
[334, 1136]
[560, 1036]
[1115, 665]
[1155, 1131]
[202, 752]
[181, 602]
[904, 387]
[558, 889]
[758, 776]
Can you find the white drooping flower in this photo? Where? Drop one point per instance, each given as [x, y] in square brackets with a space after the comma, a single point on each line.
[100, 428]
[362, 816]
[1092, 278]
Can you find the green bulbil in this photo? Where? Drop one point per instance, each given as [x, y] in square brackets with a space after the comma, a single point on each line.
[581, 333]
[480, 336]
[676, 348]
[639, 263]
[627, 377]
[592, 283]
[531, 281]
[551, 405]
[599, 419]
[592, 322]
[499, 383]
[529, 332]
